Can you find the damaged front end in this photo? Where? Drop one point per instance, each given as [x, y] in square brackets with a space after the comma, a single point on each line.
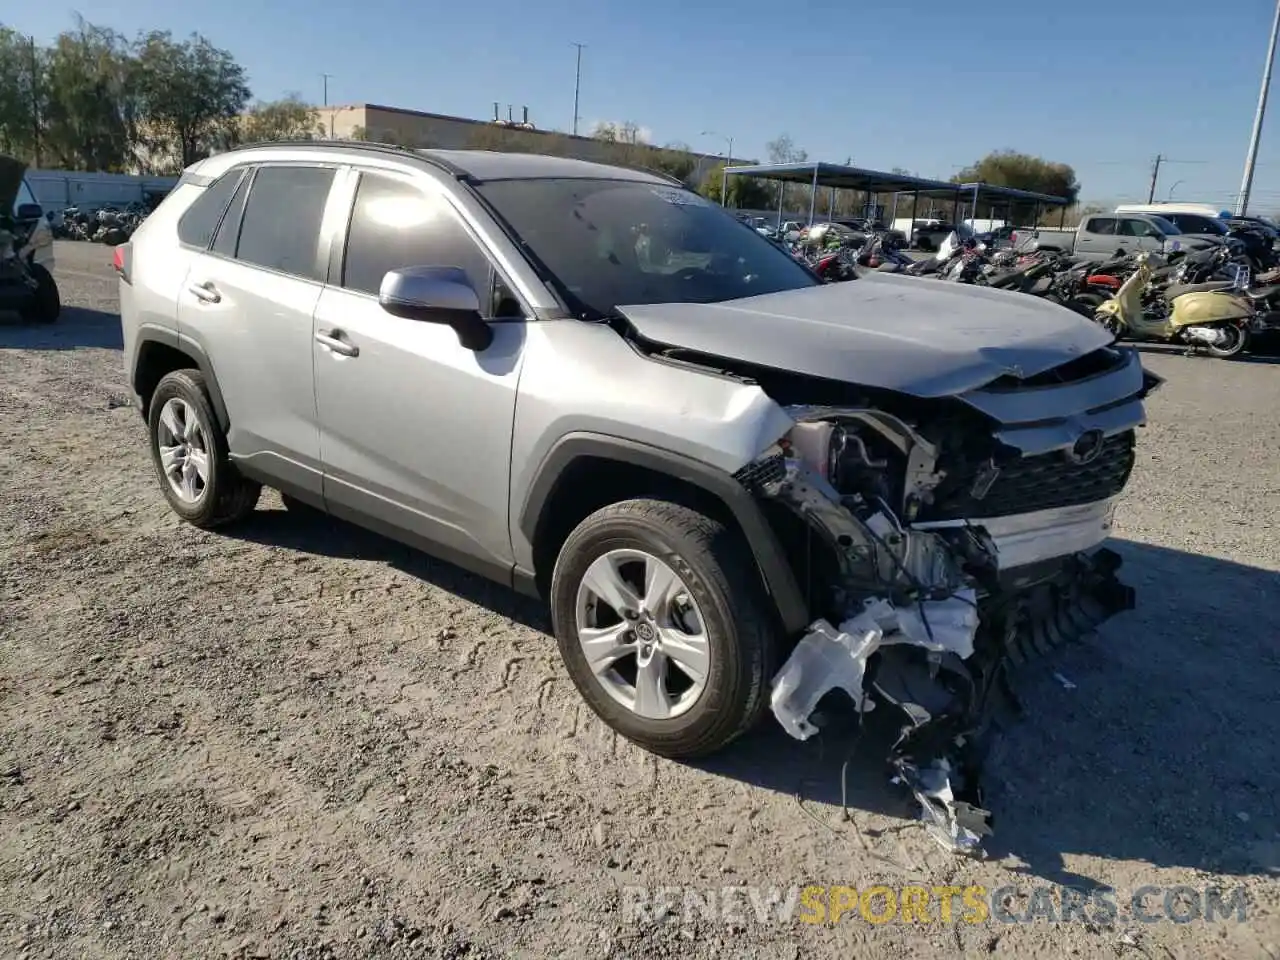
[939, 550]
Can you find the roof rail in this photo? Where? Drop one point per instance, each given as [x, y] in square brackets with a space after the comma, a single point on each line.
[391, 148]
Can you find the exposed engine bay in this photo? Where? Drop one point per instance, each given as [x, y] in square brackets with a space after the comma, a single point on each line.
[941, 550]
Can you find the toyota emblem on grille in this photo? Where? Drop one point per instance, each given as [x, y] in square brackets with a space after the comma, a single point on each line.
[1086, 448]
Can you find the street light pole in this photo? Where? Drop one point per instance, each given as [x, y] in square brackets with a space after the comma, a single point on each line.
[1246, 185]
[35, 100]
[577, 85]
[326, 77]
[724, 180]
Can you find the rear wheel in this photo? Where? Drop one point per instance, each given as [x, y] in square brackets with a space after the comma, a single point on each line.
[189, 450]
[1234, 340]
[46, 303]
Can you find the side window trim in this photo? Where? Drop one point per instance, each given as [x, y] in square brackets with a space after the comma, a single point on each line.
[246, 184]
[429, 187]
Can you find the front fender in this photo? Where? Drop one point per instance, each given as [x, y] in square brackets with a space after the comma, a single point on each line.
[779, 579]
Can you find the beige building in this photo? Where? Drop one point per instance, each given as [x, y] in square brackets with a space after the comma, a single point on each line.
[414, 128]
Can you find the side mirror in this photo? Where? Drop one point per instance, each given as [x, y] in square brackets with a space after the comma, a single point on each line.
[29, 211]
[437, 295]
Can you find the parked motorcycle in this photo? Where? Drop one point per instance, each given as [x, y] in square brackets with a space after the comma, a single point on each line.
[1220, 321]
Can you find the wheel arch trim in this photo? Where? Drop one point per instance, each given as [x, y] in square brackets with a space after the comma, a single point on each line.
[152, 333]
[778, 578]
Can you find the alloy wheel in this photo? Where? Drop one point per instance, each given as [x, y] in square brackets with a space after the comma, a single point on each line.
[642, 634]
[183, 444]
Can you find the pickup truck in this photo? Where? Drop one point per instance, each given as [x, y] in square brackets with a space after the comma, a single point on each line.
[1103, 236]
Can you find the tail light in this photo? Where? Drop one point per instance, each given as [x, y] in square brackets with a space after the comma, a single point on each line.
[1013, 238]
[121, 260]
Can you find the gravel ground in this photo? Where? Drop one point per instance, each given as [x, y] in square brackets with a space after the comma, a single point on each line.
[300, 740]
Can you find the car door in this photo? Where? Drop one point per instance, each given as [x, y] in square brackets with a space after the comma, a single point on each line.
[248, 301]
[415, 429]
[1098, 238]
[1137, 233]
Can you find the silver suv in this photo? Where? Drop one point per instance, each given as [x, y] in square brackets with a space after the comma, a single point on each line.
[736, 487]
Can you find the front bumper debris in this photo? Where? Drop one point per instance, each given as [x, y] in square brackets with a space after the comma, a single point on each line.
[950, 686]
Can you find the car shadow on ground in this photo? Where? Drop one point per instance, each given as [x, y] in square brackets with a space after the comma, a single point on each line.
[311, 531]
[1152, 742]
[77, 328]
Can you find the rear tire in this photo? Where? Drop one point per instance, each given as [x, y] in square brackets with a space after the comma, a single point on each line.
[713, 569]
[46, 302]
[221, 496]
[1239, 341]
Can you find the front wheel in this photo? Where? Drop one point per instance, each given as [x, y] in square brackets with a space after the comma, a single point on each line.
[657, 612]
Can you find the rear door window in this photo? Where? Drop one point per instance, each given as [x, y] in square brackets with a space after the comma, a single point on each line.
[280, 228]
[197, 225]
[1103, 225]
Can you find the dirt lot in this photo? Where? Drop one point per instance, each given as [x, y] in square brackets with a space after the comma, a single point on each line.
[299, 740]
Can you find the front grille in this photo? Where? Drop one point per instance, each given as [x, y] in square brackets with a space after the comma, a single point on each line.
[1027, 484]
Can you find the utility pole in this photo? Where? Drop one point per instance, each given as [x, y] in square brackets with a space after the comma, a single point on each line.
[1246, 185]
[35, 101]
[326, 77]
[1155, 175]
[577, 85]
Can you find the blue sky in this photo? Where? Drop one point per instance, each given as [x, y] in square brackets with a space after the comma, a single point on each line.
[1104, 85]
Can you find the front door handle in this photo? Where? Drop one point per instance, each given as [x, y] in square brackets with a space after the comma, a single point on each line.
[331, 339]
[206, 292]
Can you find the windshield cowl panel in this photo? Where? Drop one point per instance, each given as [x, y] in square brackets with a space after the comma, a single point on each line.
[611, 242]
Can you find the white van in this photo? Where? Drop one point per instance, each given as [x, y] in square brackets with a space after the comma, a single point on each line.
[1199, 219]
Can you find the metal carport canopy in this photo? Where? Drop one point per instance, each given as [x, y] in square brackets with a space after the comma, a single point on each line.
[839, 177]
[989, 191]
[845, 178]
[977, 192]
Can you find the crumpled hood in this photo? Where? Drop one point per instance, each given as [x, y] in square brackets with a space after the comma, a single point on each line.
[927, 338]
[11, 173]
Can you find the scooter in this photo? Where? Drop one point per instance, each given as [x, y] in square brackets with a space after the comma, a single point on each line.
[1217, 320]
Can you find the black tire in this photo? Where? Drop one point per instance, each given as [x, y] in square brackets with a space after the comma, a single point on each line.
[1238, 345]
[714, 564]
[46, 303]
[227, 497]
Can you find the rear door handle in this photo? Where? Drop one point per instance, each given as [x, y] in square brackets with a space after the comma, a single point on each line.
[206, 292]
[332, 340]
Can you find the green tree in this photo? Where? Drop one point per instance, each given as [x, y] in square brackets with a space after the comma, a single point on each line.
[744, 193]
[289, 118]
[91, 111]
[1008, 168]
[192, 94]
[21, 89]
[675, 160]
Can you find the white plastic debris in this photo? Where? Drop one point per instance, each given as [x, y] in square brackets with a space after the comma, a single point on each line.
[940, 625]
[956, 825]
[827, 657]
[1066, 684]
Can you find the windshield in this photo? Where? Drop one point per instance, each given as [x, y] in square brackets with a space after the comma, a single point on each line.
[611, 243]
[1191, 223]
